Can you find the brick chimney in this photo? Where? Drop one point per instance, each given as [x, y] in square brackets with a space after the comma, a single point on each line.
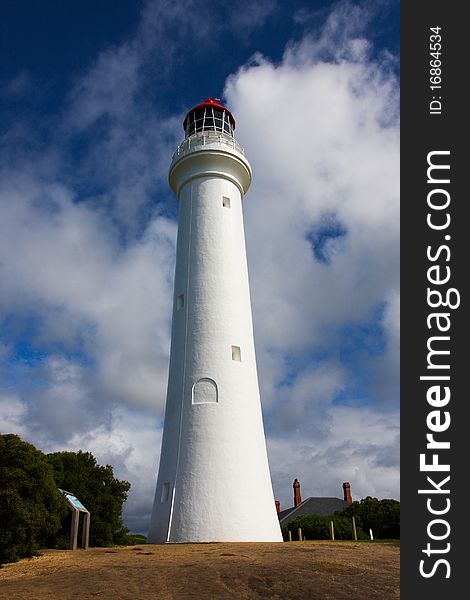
[278, 506]
[297, 498]
[347, 492]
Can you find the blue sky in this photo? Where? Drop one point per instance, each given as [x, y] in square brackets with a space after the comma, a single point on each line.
[92, 96]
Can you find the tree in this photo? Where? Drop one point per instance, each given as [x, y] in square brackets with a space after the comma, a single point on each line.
[97, 488]
[382, 516]
[31, 509]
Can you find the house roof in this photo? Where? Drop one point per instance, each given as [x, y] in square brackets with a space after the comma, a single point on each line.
[312, 506]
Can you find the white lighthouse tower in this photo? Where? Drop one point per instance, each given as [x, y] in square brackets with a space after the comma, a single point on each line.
[213, 482]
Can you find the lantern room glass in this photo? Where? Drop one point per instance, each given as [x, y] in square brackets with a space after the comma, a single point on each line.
[208, 118]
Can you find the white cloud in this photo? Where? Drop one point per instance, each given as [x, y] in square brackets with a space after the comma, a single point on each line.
[63, 265]
[12, 413]
[362, 448]
[317, 142]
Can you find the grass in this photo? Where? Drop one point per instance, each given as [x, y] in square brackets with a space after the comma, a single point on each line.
[133, 539]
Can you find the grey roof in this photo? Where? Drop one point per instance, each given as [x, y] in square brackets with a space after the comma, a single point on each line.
[312, 506]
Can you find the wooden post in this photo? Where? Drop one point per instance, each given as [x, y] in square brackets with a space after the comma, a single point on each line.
[371, 534]
[86, 530]
[290, 535]
[74, 529]
[300, 534]
[332, 528]
[354, 529]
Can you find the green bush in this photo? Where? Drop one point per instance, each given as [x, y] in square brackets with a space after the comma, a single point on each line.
[382, 516]
[31, 509]
[317, 527]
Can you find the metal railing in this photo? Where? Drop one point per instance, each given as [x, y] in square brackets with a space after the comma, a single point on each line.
[205, 138]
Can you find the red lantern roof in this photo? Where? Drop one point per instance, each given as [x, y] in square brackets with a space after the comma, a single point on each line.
[210, 102]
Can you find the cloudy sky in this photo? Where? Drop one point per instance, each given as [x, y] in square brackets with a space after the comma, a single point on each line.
[92, 96]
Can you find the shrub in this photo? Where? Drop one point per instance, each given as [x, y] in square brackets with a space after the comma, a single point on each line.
[31, 508]
[317, 527]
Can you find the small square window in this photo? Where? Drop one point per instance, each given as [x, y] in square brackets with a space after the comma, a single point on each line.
[236, 354]
[180, 301]
[225, 202]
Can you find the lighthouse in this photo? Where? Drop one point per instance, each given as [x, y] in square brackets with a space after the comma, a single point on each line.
[213, 482]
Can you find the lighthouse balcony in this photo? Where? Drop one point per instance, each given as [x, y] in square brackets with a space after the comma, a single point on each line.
[206, 138]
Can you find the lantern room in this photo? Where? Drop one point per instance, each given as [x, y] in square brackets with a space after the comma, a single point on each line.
[210, 115]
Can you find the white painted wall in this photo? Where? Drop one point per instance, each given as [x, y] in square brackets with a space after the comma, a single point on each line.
[213, 458]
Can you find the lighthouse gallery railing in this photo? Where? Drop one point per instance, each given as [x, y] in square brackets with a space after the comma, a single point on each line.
[205, 138]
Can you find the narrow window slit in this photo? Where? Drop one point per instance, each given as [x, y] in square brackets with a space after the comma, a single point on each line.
[165, 492]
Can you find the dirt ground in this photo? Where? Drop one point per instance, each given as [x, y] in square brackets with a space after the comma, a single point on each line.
[284, 571]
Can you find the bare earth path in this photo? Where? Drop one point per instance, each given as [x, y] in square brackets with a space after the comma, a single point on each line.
[298, 570]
